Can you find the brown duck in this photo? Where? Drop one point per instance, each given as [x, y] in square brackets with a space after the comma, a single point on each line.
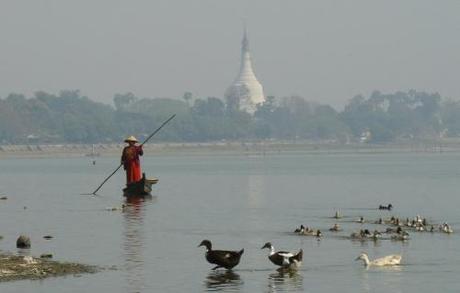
[222, 258]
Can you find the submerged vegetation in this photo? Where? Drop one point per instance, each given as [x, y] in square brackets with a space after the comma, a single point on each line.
[71, 117]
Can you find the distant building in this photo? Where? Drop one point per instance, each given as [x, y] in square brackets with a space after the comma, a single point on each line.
[246, 91]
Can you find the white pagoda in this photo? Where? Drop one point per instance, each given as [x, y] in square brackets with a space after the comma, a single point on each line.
[246, 91]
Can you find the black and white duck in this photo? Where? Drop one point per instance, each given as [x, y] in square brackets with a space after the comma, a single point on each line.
[222, 258]
[298, 230]
[284, 259]
[388, 207]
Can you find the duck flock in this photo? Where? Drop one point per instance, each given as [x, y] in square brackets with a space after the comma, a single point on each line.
[393, 228]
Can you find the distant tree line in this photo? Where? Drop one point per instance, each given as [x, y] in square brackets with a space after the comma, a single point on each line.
[71, 117]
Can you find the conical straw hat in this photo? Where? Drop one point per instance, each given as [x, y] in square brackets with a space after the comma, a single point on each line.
[131, 138]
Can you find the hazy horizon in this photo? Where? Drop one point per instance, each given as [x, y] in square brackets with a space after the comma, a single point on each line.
[325, 51]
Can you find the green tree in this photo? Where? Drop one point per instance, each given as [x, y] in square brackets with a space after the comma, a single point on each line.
[123, 101]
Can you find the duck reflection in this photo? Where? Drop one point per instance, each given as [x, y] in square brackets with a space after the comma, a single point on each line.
[133, 244]
[223, 280]
[285, 280]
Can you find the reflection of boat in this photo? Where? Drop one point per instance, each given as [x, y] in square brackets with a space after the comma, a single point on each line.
[134, 244]
[140, 188]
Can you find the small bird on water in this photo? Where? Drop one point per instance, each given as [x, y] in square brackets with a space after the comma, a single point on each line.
[222, 258]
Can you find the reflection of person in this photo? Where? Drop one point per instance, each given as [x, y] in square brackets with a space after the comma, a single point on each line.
[130, 160]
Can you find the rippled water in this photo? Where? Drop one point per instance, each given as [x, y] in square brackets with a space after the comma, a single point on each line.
[236, 201]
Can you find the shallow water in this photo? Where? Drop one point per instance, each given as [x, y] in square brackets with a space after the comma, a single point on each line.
[236, 201]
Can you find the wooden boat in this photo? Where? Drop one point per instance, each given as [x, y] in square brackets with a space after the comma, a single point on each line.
[140, 188]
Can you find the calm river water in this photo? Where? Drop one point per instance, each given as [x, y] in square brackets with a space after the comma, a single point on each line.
[236, 201]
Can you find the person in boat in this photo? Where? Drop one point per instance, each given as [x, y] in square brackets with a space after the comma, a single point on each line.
[130, 160]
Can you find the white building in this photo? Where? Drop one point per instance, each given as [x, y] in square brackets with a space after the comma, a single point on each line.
[246, 91]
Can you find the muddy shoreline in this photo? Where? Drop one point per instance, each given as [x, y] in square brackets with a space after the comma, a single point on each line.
[15, 267]
[233, 148]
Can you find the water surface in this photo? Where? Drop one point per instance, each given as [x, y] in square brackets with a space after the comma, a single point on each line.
[236, 201]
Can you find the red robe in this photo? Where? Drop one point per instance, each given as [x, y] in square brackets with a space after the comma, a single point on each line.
[131, 163]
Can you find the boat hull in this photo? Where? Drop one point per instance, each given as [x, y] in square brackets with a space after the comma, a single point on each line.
[140, 188]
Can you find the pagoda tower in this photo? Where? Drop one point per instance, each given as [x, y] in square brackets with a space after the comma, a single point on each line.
[246, 91]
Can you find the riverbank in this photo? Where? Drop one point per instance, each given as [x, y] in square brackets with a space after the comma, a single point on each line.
[15, 267]
[260, 147]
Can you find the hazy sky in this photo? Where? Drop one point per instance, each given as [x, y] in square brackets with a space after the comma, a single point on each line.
[326, 51]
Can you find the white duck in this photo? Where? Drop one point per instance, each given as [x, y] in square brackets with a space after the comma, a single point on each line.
[389, 260]
[447, 229]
